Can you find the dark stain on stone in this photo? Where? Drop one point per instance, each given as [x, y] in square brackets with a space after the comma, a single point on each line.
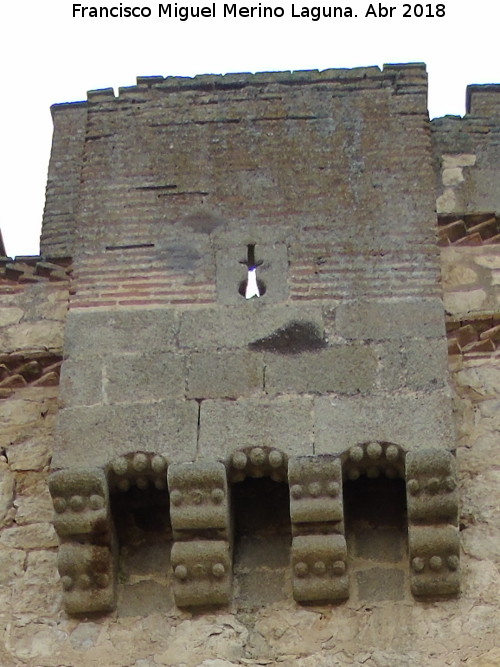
[202, 222]
[294, 338]
[180, 256]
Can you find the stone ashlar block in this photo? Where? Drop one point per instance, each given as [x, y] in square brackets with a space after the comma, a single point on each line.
[120, 332]
[144, 377]
[420, 364]
[413, 421]
[81, 502]
[271, 274]
[345, 369]
[237, 236]
[434, 560]
[283, 423]
[224, 374]
[199, 499]
[81, 382]
[315, 492]
[165, 427]
[238, 326]
[87, 577]
[390, 319]
[431, 487]
[319, 564]
[202, 573]
[426, 363]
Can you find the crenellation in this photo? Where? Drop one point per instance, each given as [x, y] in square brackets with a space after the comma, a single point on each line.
[102, 94]
[483, 100]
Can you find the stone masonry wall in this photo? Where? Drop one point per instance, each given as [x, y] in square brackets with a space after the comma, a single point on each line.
[138, 360]
[147, 630]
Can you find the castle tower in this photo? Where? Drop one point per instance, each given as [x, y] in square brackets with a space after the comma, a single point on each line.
[255, 294]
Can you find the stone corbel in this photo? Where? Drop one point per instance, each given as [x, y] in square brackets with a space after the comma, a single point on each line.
[432, 500]
[87, 551]
[200, 516]
[319, 553]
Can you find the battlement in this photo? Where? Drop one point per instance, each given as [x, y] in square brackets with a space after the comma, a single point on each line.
[404, 78]
[483, 100]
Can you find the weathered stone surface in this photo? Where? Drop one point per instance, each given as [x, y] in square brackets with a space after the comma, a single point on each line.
[238, 326]
[345, 369]
[434, 546]
[11, 565]
[32, 503]
[413, 421]
[315, 493]
[42, 335]
[284, 423]
[457, 276]
[463, 303]
[19, 412]
[144, 598]
[224, 374]
[143, 377]
[6, 490]
[81, 501]
[81, 382]
[202, 573]
[390, 318]
[168, 427]
[370, 583]
[87, 576]
[32, 454]
[89, 333]
[10, 315]
[258, 462]
[319, 568]
[460, 160]
[32, 536]
[199, 512]
[432, 494]
[434, 560]
[198, 499]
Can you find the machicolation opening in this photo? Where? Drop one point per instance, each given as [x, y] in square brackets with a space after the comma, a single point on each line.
[376, 536]
[144, 535]
[262, 537]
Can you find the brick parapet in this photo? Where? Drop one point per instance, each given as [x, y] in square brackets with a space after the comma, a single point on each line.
[180, 183]
[63, 181]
